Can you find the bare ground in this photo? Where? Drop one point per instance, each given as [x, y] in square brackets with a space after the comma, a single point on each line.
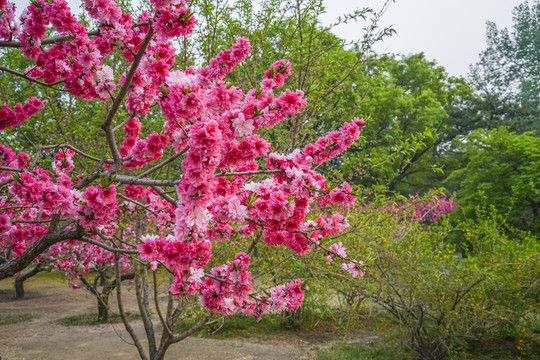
[48, 299]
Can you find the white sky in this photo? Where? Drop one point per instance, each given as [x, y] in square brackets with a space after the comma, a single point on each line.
[451, 32]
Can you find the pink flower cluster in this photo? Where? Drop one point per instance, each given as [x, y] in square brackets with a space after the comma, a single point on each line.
[135, 191]
[149, 79]
[77, 59]
[106, 11]
[10, 158]
[37, 189]
[8, 26]
[334, 142]
[17, 236]
[353, 267]
[173, 21]
[229, 209]
[76, 258]
[276, 75]
[165, 217]
[184, 103]
[146, 150]
[197, 185]
[20, 113]
[224, 62]
[181, 256]
[105, 84]
[132, 129]
[431, 210]
[336, 249]
[338, 197]
[281, 298]
[222, 96]
[63, 162]
[421, 210]
[325, 225]
[178, 255]
[101, 206]
[225, 291]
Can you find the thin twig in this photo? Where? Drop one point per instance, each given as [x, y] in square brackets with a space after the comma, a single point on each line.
[33, 221]
[60, 38]
[163, 163]
[17, 207]
[71, 147]
[163, 322]
[30, 79]
[127, 325]
[7, 168]
[108, 248]
[138, 204]
[255, 172]
[163, 194]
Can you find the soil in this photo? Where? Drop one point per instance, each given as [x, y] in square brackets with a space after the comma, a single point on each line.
[48, 299]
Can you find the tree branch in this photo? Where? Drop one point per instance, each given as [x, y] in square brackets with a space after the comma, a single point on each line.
[165, 162]
[88, 240]
[106, 126]
[127, 325]
[30, 79]
[12, 267]
[60, 38]
[7, 168]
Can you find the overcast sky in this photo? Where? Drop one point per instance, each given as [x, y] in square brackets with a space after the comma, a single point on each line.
[451, 32]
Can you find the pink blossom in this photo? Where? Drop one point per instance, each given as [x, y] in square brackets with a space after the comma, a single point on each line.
[20, 113]
[242, 126]
[353, 268]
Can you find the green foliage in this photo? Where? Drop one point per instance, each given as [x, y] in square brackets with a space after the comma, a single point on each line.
[406, 98]
[501, 171]
[454, 289]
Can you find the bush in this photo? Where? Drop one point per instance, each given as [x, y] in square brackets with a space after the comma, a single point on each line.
[452, 295]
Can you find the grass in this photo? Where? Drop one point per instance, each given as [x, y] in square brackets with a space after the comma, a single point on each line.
[243, 325]
[16, 319]
[92, 319]
[306, 320]
[381, 350]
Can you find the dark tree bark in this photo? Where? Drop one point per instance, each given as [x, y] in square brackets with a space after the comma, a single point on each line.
[19, 280]
[10, 268]
[103, 296]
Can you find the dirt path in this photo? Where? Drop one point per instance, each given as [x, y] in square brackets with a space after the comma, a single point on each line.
[49, 299]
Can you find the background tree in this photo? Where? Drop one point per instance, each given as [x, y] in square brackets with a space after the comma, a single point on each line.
[508, 73]
[407, 97]
[501, 171]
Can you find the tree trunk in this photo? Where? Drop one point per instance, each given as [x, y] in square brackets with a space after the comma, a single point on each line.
[103, 310]
[103, 297]
[19, 281]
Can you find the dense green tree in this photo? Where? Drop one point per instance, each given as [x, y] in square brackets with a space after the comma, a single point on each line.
[508, 73]
[407, 99]
[501, 171]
